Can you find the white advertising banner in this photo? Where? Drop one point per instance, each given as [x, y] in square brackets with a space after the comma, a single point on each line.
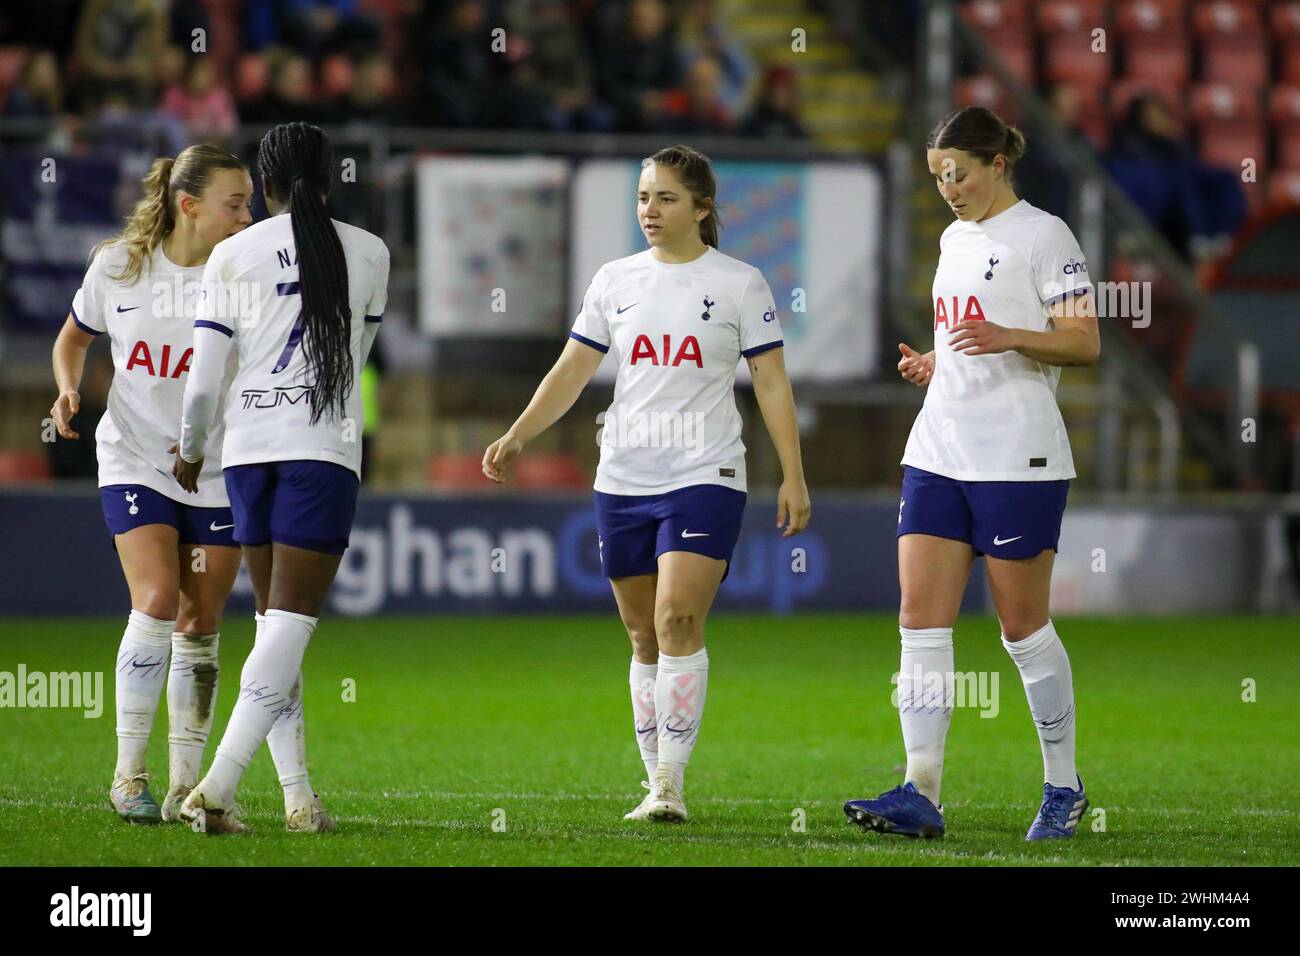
[492, 246]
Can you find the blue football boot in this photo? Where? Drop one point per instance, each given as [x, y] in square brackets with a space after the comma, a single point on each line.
[1060, 813]
[902, 810]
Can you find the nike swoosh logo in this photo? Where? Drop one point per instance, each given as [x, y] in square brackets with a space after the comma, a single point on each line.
[997, 540]
[220, 527]
[626, 307]
[694, 534]
[130, 309]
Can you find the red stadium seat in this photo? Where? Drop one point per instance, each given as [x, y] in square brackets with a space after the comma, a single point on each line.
[1211, 102]
[1236, 58]
[1285, 20]
[335, 75]
[1016, 51]
[1284, 187]
[1218, 18]
[1226, 143]
[1159, 57]
[983, 91]
[1287, 139]
[1071, 16]
[993, 16]
[252, 76]
[21, 465]
[1151, 17]
[1284, 104]
[1070, 58]
[1288, 55]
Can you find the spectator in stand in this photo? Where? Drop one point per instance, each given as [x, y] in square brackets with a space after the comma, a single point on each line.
[205, 107]
[776, 112]
[1188, 203]
[38, 94]
[370, 99]
[705, 33]
[314, 28]
[697, 107]
[464, 82]
[119, 43]
[639, 66]
[289, 94]
[553, 65]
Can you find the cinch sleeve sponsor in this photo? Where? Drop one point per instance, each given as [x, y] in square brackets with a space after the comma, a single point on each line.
[1060, 270]
[591, 327]
[760, 329]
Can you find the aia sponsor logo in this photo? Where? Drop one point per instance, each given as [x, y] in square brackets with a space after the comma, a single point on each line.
[947, 312]
[143, 357]
[687, 351]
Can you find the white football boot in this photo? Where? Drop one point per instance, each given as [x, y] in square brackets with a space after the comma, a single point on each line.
[205, 815]
[665, 804]
[171, 807]
[308, 817]
[642, 808]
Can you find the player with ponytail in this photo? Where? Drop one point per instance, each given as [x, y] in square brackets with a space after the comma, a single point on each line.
[294, 303]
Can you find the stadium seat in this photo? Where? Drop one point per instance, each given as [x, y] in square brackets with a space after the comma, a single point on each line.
[1284, 20]
[335, 75]
[1016, 51]
[252, 76]
[1225, 143]
[1066, 36]
[1150, 16]
[22, 465]
[1162, 57]
[1225, 101]
[994, 16]
[983, 90]
[12, 59]
[1284, 187]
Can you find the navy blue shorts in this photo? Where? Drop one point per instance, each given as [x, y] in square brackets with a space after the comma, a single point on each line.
[304, 504]
[633, 530]
[1004, 519]
[130, 506]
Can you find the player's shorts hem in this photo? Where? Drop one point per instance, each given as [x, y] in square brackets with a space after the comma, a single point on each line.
[310, 544]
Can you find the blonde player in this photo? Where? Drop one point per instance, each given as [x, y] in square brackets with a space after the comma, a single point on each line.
[296, 300]
[670, 487]
[176, 549]
[987, 466]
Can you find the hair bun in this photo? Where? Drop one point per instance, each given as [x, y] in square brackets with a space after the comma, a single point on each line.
[1015, 145]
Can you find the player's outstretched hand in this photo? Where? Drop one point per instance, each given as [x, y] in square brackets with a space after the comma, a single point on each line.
[981, 338]
[64, 407]
[792, 501]
[186, 473]
[500, 455]
[915, 367]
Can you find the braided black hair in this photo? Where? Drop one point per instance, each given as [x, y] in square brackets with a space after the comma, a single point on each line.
[296, 162]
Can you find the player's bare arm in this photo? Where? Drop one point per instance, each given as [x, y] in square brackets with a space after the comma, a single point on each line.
[1075, 340]
[776, 402]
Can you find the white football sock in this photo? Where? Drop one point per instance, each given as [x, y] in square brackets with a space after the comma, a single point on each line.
[925, 700]
[1045, 671]
[264, 685]
[642, 680]
[191, 698]
[680, 688]
[287, 741]
[141, 672]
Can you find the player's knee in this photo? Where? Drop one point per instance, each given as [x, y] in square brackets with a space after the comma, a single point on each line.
[675, 621]
[160, 604]
[644, 643]
[198, 621]
[1017, 627]
[918, 617]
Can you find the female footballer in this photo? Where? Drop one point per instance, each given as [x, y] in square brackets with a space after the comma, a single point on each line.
[176, 550]
[295, 302]
[670, 487]
[987, 465]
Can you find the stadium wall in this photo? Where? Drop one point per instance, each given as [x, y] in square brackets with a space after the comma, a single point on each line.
[491, 555]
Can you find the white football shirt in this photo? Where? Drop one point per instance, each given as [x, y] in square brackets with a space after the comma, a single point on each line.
[678, 331]
[995, 417]
[251, 303]
[150, 326]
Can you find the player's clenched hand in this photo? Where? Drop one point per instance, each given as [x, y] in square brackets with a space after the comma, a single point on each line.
[186, 473]
[64, 407]
[500, 455]
[981, 338]
[792, 501]
[915, 367]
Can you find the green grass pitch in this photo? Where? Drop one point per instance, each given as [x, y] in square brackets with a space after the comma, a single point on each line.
[463, 722]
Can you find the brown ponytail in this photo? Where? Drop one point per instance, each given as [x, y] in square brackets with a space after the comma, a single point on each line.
[154, 215]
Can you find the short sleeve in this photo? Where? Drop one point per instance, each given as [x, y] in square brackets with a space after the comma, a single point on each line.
[591, 327]
[219, 300]
[379, 297]
[89, 305]
[1059, 269]
[760, 329]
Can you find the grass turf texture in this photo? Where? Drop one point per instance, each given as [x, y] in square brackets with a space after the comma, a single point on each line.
[457, 717]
